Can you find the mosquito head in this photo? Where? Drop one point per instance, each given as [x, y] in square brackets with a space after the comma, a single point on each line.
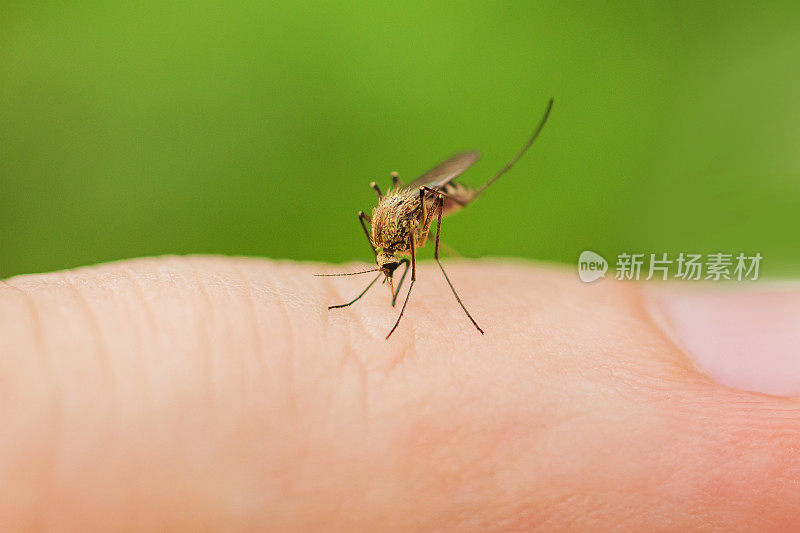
[387, 263]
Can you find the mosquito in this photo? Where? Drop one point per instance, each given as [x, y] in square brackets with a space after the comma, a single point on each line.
[401, 221]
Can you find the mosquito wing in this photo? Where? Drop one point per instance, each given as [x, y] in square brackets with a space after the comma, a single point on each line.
[445, 172]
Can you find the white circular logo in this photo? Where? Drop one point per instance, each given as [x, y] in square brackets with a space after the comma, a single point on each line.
[591, 266]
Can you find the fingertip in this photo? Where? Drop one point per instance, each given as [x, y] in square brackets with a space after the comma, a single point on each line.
[745, 338]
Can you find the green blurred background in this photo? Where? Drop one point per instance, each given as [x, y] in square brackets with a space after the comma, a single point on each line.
[254, 128]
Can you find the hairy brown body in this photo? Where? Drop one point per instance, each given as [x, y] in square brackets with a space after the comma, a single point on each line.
[397, 216]
[401, 213]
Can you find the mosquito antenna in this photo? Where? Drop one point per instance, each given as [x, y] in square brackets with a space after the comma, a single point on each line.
[347, 273]
[521, 152]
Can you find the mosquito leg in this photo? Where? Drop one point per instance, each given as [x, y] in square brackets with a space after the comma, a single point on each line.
[413, 279]
[426, 216]
[396, 181]
[403, 277]
[376, 189]
[362, 217]
[357, 297]
[439, 204]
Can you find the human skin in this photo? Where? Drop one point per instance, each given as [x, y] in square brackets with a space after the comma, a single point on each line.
[210, 393]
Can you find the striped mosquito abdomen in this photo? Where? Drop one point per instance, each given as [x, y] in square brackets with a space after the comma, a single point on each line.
[458, 196]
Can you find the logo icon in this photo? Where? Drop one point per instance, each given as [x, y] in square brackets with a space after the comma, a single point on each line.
[591, 266]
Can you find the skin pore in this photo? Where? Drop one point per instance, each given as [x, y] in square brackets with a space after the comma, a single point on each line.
[210, 392]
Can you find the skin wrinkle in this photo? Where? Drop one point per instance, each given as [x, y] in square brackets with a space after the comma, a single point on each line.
[259, 342]
[103, 354]
[287, 357]
[244, 292]
[206, 355]
[351, 310]
[326, 322]
[332, 288]
[300, 338]
[155, 279]
[218, 284]
[152, 323]
[36, 321]
[363, 382]
[408, 344]
[223, 280]
[49, 443]
[650, 376]
[348, 353]
[399, 358]
[682, 366]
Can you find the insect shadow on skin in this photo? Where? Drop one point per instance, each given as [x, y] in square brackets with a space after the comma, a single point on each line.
[401, 221]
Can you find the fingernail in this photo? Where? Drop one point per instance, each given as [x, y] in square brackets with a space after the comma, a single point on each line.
[743, 338]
